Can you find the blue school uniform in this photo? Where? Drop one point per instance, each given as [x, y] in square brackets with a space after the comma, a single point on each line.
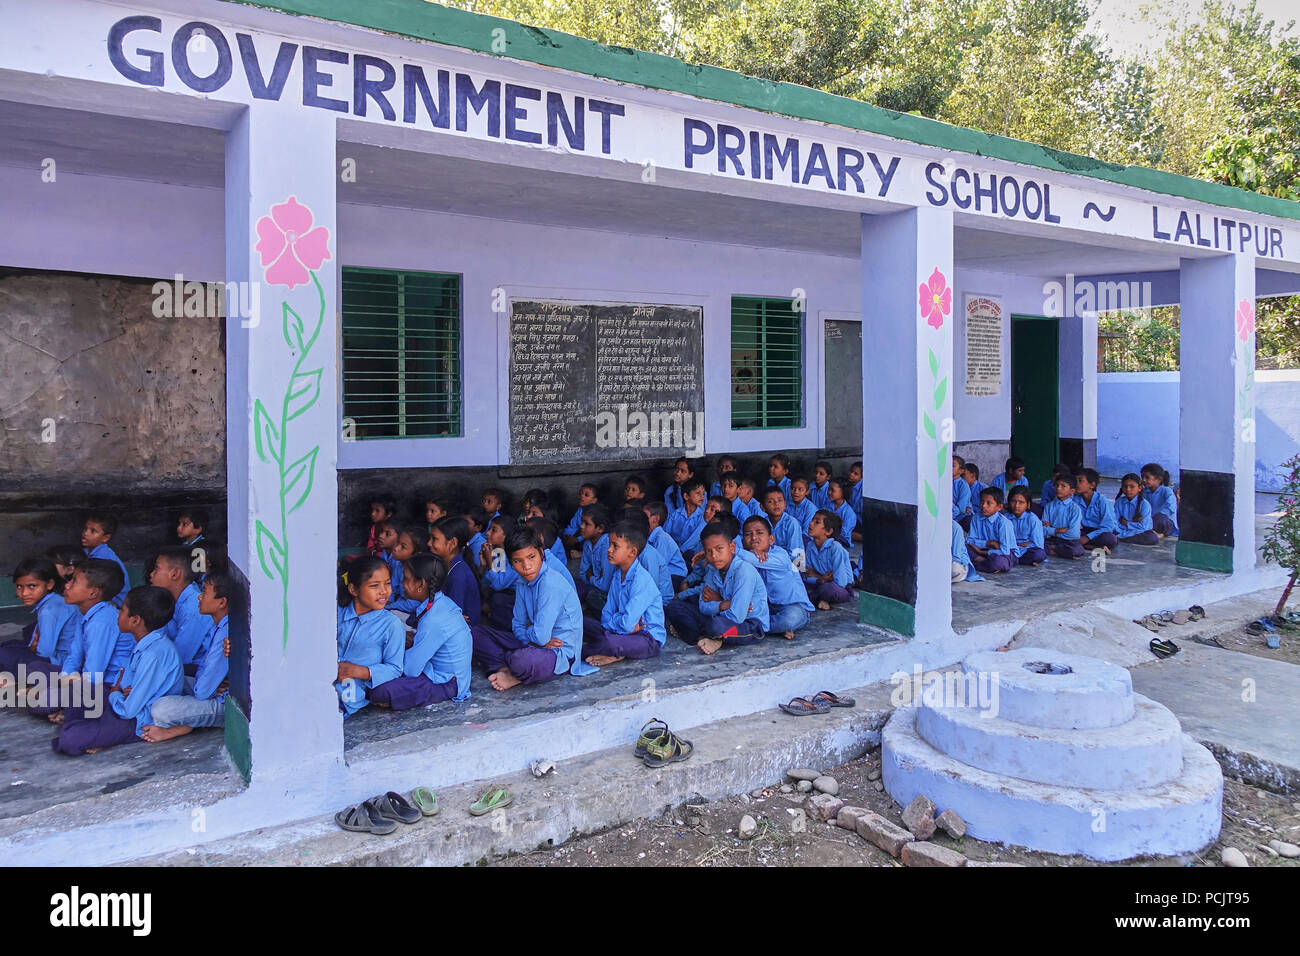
[831, 556]
[99, 650]
[820, 495]
[1163, 502]
[1000, 483]
[662, 542]
[462, 587]
[152, 670]
[850, 521]
[595, 568]
[787, 533]
[1062, 514]
[375, 640]
[782, 581]
[961, 501]
[855, 497]
[1026, 527]
[547, 607]
[959, 553]
[106, 553]
[1098, 514]
[685, 528]
[1048, 491]
[188, 628]
[475, 546]
[508, 577]
[742, 585]
[634, 597]
[653, 562]
[1138, 513]
[574, 523]
[744, 510]
[56, 623]
[214, 665]
[443, 646]
[803, 513]
[674, 498]
[993, 533]
[784, 485]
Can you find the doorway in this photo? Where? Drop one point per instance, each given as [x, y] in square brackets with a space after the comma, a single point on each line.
[1035, 394]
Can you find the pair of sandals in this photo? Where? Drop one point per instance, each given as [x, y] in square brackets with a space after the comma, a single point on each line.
[380, 815]
[1264, 627]
[1154, 622]
[1162, 648]
[821, 703]
[657, 746]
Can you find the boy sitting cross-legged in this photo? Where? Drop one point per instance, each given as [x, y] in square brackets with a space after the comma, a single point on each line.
[733, 603]
[188, 628]
[788, 605]
[632, 620]
[992, 540]
[152, 671]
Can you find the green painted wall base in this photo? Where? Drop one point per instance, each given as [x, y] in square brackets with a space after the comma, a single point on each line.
[887, 613]
[237, 740]
[1206, 557]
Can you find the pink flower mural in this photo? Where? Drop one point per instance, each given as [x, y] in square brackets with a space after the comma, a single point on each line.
[935, 299]
[290, 248]
[1245, 319]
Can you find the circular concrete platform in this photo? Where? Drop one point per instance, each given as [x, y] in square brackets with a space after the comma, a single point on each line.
[1046, 688]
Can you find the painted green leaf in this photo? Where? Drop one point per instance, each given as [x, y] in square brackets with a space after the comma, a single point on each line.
[928, 423]
[270, 553]
[301, 473]
[292, 327]
[931, 505]
[265, 433]
[945, 463]
[940, 391]
[934, 363]
[304, 390]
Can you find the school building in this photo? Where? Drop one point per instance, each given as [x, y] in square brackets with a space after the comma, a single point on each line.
[459, 251]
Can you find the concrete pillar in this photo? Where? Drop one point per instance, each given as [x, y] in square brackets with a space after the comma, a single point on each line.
[1216, 439]
[1078, 389]
[908, 310]
[282, 428]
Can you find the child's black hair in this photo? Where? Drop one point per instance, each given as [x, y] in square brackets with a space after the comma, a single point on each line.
[972, 469]
[1060, 468]
[153, 605]
[179, 556]
[598, 514]
[1012, 464]
[841, 483]
[636, 515]
[658, 509]
[749, 483]
[714, 530]
[824, 466]
[42, 568]
[760, 520]
[496, 493]
[198, 517]
[729, 476]
[478, 517]
[794, 480]
[438, 501]
[592, 485]
[773, 488]
[634, 480]
[105, 521]
[781, 459]
[723, 502]
[548, 529]
[831, 521]
[502, 521]
[857, 465]
[992, 491]
[1154, 468]
[961, 462]
[1137, 479]
[389, 523]
[730, 522]
[357, 572]
[104, 576]
[429, 568]
[1020, 491]
[387, 502]
[630, 532]
[523, 538]
[690, 484]
[1091, 474]
[222, 584]
[534, 496]
[454, 526]
[69, 555]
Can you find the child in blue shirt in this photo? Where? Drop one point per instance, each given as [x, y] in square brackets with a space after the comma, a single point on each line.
[656, 513]
[191, 525]
[827, 573]
[632, 620]
[409, 541]
[1160, 496]
[675, 494]
[39, 586]
[97, 531]
[727, 463]
[1026, 528]
[152, 670]
[854, 495]
[493, 500]
[778, 475]
[594, 571]
[843, 510]
[1059, 470]
[1013, 474]
[970, 473]
[1134, 513]
[1097, 523]
[478, 522]
[436, 667]
[99, 649]
[546, 628]
[686, 523]
[802, 507]
[962, 508]
[382, 508]
[961, 566]
[634, 491]
[732, 608]
[788, 607]
[586, 498]
[819, 492]
[202, 700]
[746, 505]
[187, 629]
[786, 532]
[370, 640]
[449, 541]
[1062, 521]
[991, 542]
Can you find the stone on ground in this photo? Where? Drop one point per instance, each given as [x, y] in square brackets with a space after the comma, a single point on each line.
[1288, 850]
[890, 837]
[748, 827]
[805, 786]
[951, 824]
[1231, 856]
[848, 817]
[921, 853]
[803, 773]
[918, 816]
[827, 785]
[823, 807]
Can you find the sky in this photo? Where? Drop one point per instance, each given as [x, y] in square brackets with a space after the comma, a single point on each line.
[1119, 22]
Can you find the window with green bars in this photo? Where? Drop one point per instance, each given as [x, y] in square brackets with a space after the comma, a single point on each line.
[766, 363]
[401, 353]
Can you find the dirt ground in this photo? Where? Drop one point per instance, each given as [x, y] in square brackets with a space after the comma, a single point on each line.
[705, 834]
[1237, 639]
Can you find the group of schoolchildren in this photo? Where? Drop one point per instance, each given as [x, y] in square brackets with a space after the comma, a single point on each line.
[715, 566]
[997, 526]
[111, 664]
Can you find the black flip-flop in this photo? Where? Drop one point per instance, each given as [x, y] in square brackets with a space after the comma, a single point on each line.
[802, 707]
[364, 819]
[1197, 612]
[835, 700]
[1162, 648]
[393, 806]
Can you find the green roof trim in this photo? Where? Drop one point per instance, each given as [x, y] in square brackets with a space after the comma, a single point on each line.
[422, 20]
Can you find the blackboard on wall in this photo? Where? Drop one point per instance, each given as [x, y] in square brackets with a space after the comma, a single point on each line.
[581, 373]
[843, 383]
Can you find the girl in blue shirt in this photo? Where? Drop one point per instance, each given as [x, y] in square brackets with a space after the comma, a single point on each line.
[841, 507]
[1134, 513]
[725, 464]
[370, 640]
[435, 667]
[1026, 528]
[44, 642]
[449, 540]
[1160, 496]
[674, 496]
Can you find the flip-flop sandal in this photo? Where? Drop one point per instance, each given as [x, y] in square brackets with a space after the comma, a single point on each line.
[652, 731]
[426, 800]
[1196, 611]
[674, 749]
[1182, 617]
[802, 707]
[1162, 648]
[362, 819]
[1149, 623]
[1166, 616]
[491, 800]
[393, 806]
[835, 700]
[1254, 627]
[1273, 640]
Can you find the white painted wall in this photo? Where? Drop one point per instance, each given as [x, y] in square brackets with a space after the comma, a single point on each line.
[1137, 422]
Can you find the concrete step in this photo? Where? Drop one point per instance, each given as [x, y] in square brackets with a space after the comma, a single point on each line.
[1145, 752]
[1180, 816]
[1092, 693]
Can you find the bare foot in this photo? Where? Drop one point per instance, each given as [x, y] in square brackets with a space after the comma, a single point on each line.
[708, 645]
[824, 605]
[56, 717]
[155, 734]
[93, 750]
[788, 635]
[503, 680]
[602, 660]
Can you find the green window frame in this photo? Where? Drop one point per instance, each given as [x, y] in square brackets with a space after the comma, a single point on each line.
[766, 363]
[401, 353]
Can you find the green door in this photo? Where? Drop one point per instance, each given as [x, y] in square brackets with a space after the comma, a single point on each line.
[1035, 399]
